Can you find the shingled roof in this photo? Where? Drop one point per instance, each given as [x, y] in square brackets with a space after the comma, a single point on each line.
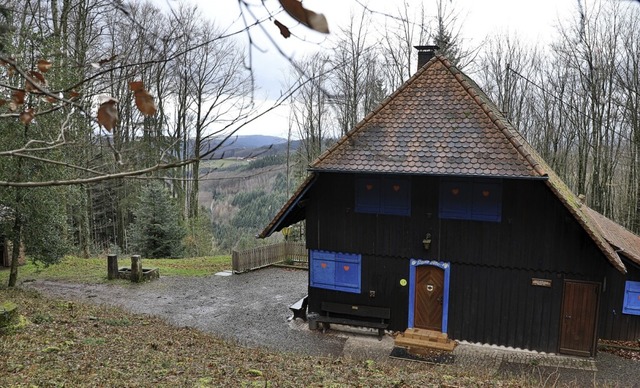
[441, 123]
[436, 123]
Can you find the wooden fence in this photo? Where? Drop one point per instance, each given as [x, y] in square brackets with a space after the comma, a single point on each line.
[250, 259]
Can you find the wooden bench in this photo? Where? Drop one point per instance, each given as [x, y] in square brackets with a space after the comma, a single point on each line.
[347, 314]
[299, 309]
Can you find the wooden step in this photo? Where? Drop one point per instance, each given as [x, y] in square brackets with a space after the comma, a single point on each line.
[415, 343]
[424, 334]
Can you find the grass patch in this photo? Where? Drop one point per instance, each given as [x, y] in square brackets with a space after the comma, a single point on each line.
[84, 350]
[94, 270]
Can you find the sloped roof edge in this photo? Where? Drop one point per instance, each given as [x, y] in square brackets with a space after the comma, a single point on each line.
[625, 241]
[280, 218]
[557, 186]
[365, 120]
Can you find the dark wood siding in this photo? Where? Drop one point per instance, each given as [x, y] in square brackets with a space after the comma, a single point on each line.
[500, 306]
[381, 275]
[613, 323]
[492, 263]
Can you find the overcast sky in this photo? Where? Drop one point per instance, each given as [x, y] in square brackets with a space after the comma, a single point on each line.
[534, 21]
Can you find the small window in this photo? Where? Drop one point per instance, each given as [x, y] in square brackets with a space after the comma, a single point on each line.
[631, 303]
[377, 195]
[479, 200]
[335, 271]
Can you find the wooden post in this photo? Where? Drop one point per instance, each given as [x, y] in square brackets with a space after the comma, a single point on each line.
[136, 269]
[112, 266]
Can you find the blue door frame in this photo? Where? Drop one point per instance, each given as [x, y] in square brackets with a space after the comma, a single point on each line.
[413, 263]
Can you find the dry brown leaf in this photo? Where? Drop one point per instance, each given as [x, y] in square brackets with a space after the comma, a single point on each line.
[136, 85]
[284, 30]
[27, 116]
[2, 101]
[101, 62]
[73, 94]
[144, 102]
[44, 65]
[108, 114]
[40, 80]
[315, 21]
[18, 97]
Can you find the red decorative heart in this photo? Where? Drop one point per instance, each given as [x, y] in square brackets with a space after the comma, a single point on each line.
[323, 265]
[346, 267]
[455, 191]
[369, 186]
[485, 193]
[396, 188]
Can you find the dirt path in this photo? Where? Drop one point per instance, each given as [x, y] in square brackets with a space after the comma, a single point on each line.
[250, 308]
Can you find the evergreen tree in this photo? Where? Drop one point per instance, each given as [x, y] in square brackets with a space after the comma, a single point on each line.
[157, 230]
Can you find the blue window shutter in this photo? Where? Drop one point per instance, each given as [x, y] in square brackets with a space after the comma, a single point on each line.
[348, 273]
[631, 303]
[395, 197]
[322, 269]
[455, 199]
[367, 195]
[335, 271]
[486, 201]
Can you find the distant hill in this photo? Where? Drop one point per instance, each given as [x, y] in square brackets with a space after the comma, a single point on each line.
[248, 146]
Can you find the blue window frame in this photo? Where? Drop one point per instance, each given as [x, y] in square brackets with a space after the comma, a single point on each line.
[479, 199]
[335, 271]
[631, 303]
[386, 195]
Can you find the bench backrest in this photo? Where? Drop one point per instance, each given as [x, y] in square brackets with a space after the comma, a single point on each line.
[357, 310]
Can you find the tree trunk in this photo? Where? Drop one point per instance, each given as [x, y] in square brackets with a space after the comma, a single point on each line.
[17, 240]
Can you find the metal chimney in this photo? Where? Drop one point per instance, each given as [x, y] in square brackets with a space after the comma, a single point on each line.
[425, 53]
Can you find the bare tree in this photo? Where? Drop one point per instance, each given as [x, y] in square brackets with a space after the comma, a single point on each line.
[310, 114]
[401, 34]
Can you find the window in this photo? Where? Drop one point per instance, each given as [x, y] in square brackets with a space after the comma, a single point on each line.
[383, 196]
[631, 303]
[335, 271]
[479, 200]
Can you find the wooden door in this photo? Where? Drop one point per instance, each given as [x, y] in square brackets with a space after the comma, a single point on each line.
[579, 317]
[429, 296]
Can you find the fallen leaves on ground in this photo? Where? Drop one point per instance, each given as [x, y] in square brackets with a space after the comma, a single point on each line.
[69, 343]
[625, 349]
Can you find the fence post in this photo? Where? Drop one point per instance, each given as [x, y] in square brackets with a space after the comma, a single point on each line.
[235, 261]
[112, 266]
[136, 269]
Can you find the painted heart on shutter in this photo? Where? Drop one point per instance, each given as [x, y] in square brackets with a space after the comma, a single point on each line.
[323, 265]
[485, 193]
[455, 191]
[396, 188]
[346, 268]
[369, 186]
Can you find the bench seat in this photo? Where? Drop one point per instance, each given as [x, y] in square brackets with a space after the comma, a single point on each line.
[373, 317]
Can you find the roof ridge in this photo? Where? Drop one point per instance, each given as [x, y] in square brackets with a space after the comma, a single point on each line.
[381, 105]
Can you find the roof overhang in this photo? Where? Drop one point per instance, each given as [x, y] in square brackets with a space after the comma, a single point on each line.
[294, 210]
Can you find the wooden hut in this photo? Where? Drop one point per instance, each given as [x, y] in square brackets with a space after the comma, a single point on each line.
[436, 213]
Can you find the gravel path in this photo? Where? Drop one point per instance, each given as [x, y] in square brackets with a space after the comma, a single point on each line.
[252, 309]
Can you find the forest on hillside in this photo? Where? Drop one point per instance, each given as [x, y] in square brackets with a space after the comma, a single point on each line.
[115, 114]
